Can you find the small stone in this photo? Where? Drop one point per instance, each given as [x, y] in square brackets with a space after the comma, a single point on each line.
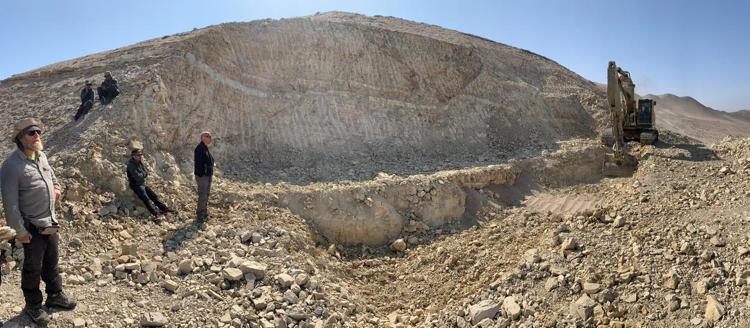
[399, 245]
[703, 286]
[618, 222]
[186, 266]
[718, 241]
[125, 235]
[741, 277]
[583, 308]
[153, 319]
[135, 266]
[233, 274]
[674, 305]
[672, 281]
[632, 298]
[569, 244]
[256, 238]
[258, 269]
[170, 285]
[531, 256]
[511, 308]
[551, 283]
[714, 309]
[260, 303]
[301, 279]
[284, 280]
[246, 236]
[297, 314]
[696, 321]
[591, 288]
[483, 310]
[79, 323]
[226, 318]
[291, 297]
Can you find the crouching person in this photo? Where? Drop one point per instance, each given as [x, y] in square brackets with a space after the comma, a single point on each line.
[108, 90]
[29, 192]
[137, 175]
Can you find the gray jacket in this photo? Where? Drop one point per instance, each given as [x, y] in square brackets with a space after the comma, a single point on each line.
[28, 190]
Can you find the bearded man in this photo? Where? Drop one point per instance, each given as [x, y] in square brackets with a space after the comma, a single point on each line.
[29, 191]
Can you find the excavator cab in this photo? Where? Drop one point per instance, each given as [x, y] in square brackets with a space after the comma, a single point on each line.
[646, 113]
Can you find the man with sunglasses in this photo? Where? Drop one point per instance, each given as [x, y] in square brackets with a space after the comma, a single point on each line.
[204, 171]
[30, 191]
[137, 175]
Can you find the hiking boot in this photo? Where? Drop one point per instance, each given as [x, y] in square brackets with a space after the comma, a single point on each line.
[60, 300]
[37, 314]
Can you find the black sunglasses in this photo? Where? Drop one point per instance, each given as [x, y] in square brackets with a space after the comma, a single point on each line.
[33, 132]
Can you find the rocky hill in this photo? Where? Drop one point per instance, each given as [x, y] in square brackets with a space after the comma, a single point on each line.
[687, 116]
[320, 98]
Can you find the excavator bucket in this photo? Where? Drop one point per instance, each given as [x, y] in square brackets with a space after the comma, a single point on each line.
[624, 167]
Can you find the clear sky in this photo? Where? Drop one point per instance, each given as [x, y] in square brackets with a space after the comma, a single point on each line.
[689, 48]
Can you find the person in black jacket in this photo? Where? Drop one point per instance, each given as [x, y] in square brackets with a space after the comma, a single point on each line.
[87, 101]
[108, 90]
[204, 171]
[137, 175]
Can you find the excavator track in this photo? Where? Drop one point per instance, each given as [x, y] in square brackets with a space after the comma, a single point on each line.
[649, 137]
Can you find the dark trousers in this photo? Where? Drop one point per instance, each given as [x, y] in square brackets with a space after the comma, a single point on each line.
[146, 195]
[40, 263]
[84, 109]
[204, 188]
[106, 95]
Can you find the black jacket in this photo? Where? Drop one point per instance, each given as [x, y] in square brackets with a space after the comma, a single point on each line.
[109, 84]
[137, 173]
[204, 162]
[86, 95]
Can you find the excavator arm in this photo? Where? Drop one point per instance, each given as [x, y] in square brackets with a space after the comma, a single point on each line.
[619, 86]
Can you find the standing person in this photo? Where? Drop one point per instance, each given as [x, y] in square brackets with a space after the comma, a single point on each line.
[87, 101]
[204, 171]
[108, 90]
[137, 175]
[29, 191]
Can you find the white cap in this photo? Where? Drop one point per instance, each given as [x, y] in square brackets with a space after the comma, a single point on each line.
[200, 137]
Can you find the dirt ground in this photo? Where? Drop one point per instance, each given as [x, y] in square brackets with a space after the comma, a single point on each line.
[647, 250]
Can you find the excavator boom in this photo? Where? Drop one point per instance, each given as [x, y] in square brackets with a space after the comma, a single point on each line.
[621, 99]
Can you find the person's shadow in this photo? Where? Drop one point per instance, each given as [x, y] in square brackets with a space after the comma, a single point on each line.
[175, 238]
[696, 152]
[19, 321]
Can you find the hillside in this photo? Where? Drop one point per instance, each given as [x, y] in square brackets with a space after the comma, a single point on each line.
[689, 117]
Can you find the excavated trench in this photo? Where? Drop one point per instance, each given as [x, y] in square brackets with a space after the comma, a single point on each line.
[376, 212]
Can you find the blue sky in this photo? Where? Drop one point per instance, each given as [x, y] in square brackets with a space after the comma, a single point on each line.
[689, 48]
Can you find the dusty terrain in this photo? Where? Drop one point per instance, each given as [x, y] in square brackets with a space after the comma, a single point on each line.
[376, 172]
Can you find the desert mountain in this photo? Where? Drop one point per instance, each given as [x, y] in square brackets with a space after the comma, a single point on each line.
[687, 116]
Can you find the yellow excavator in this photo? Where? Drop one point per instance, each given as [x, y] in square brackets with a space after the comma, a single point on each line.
[629, 122]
